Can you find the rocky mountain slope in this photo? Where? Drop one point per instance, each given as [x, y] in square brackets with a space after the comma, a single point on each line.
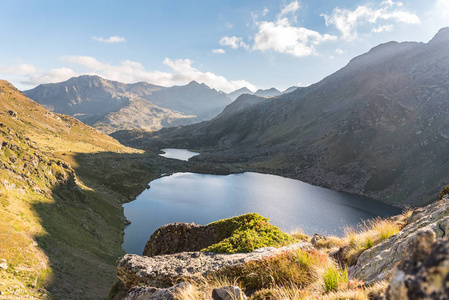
[111, 105]
[261, 93]
[192, 99]
[237, 93]
[267, 93]
[378, 127]
[61, 188]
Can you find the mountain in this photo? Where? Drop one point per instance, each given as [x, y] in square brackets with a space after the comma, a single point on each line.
[192, 99]
[62, 185]
[290, 89]
[377, 127]
[235, 94]
[87, 97]
[111, 105]
[267, 93]
[142, 114]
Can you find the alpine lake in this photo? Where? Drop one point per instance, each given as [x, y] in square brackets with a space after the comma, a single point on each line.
[289, 204]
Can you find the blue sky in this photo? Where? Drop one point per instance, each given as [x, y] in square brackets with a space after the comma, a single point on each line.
[225, 44]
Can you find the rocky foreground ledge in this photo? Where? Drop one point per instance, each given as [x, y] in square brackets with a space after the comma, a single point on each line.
[414, 262]
[163, 270]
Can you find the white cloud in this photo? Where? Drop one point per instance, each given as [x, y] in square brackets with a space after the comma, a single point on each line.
[182, 72]
[348, 22]
[218, 51]
[443, 7]
[86, 61]
[54, 75]
[391, 3]
[233, 41]
[265, 11]
[290, 8]
[22, 69]
[282, 37]
[112, 39]
[339, 51]
[383, 28]
[29, 75]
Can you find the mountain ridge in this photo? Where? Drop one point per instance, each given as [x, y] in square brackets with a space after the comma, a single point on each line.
[375, 127]
[105, 104]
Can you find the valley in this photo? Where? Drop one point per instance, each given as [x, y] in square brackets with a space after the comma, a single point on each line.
[62, 184]
[73, 154]
[377, 127]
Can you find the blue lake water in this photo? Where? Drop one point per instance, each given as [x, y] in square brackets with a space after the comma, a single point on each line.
[180, 154]
[289, 203]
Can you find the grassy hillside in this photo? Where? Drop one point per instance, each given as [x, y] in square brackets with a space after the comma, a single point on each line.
[61, 186]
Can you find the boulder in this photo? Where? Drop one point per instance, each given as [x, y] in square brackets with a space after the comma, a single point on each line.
[228, 293]
[317, 237]
[150, 293]
[163, 270]
[424, 271]
[3, 264]
[181, 237]
[377, 262]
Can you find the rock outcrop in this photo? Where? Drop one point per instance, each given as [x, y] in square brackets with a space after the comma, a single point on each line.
[163, 270]
[377, 262]
[422, 274]
[228, 293]
[151, 293]
[181, 237]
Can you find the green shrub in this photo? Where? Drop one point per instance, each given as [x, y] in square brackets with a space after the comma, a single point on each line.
[246, 233]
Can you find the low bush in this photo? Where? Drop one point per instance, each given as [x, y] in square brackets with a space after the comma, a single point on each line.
[246, 233]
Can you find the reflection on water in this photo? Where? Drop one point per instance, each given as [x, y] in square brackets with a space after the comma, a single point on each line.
[289, 203]
[180, 154]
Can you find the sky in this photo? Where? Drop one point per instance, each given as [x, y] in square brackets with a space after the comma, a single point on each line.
[224, 44]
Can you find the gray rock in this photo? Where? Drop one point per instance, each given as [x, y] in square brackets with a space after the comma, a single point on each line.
[228, 293]
[317, 237]
[377, 262]
[3, 264]
[162, 270]
[12, 114]
[181, 237]
[151, 293]
[424, 272]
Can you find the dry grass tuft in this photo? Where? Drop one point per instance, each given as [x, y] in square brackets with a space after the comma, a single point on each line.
[330, 242]
[372, 233]
[300, 235]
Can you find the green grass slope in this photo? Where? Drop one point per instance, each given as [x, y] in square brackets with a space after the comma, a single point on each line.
[61, 188]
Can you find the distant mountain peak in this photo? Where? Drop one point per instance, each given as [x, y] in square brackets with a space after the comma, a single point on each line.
[235, 94]
[441, 36]
[272, 92]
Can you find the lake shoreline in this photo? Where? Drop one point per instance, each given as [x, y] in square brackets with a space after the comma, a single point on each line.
[245, 192]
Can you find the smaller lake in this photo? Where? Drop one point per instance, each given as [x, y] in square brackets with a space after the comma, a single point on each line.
[180, 154]
[202, 199]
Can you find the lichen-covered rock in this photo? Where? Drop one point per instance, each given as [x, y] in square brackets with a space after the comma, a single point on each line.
[228, 293]
[181, 237]
[151, 293]
[377, 262]
[424, 272]
[163, 270]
